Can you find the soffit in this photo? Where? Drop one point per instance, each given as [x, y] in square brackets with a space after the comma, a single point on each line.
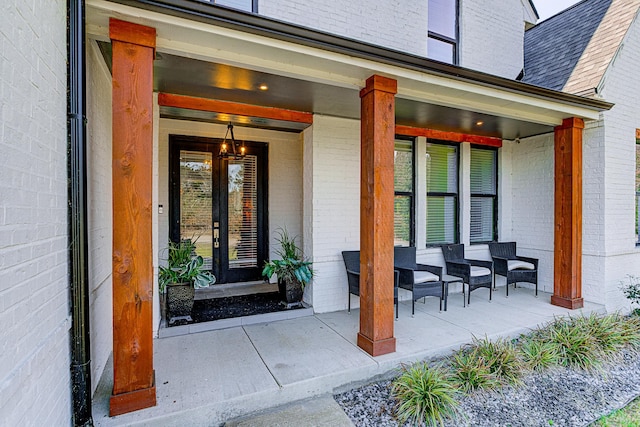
[199, 59]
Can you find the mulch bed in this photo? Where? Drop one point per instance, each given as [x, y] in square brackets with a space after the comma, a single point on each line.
[227, 307]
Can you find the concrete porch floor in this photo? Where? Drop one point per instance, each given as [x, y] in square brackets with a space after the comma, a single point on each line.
[204, 379]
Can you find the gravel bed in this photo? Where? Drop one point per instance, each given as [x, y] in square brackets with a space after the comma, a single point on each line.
[558, 397]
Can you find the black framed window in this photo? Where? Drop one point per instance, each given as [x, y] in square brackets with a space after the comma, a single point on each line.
[484, 195]
[403, 184]
[442, 42]
[246, 5]
[442, 192]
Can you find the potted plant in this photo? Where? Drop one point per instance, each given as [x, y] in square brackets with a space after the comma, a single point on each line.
[292, 270]
[179, 279]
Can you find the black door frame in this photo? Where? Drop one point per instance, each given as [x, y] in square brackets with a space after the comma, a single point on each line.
[220, 202]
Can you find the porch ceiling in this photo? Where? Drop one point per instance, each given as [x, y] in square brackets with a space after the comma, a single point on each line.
[198, 58]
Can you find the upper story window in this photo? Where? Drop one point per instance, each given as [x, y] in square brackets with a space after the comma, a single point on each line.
[442, 44]
[403, 183]
[246, 5]
[484, 195]
[442, 193]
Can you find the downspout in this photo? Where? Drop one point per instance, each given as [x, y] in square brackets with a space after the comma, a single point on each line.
[78, 252]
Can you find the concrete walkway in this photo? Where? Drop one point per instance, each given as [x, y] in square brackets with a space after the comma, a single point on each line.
[207, 378]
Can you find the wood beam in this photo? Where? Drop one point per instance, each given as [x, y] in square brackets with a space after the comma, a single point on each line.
[226, 107]
[377, 125]
[449, 136]
[567, 288]
[133, 375]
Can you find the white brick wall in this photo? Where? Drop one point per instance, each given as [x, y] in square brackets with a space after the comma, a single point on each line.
[34, 310]
[532, 202]
[100, 212]
[335, 212]
[397, 24]
[491, 32]
[492, 36]
[617, 153]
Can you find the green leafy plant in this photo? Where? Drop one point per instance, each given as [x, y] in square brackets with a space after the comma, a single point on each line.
[537, 353]
[631, 290]
[487, 364]
[472, 372]
[576, 348]
[184, 266]
[502, 357]
[424, 394]
[291, 267]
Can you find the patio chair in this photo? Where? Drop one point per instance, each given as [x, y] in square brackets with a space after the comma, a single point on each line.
[515, 268]
[475, 273]
[421, 279]
[352, 263]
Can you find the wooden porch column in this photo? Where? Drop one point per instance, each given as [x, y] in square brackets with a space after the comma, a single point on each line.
[567, 288]
[376, 216]
[133, 376]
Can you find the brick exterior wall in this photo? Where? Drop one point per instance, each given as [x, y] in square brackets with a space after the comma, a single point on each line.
[399, 25]
[492, 36]
[100, 213]
[489, 41]
[34, 291]
[617, 152]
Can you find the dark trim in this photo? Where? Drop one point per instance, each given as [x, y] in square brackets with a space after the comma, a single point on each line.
[456, 195]
[219, 208]
[494, 237]
[410, 194]
[268, 27]
[77, 215]
[454, 42]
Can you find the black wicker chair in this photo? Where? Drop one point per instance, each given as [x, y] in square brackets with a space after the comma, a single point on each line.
[421, 279]
[475, 273]
[352, 263]
[515, 268]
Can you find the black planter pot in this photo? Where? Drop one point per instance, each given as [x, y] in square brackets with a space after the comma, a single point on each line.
[290, 293]
[180, 298]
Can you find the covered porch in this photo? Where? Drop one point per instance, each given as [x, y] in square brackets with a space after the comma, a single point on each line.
[345, 102]
[210, 377]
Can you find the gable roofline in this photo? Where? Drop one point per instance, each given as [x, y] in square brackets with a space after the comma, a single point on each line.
[284, 31]
[599, 86]
[533, 8]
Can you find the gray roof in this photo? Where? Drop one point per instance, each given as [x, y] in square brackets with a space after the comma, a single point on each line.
[553, 48]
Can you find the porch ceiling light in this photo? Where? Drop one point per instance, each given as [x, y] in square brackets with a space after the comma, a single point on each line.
[237, 150]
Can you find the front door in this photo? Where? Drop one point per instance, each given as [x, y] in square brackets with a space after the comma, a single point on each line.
[220, 204]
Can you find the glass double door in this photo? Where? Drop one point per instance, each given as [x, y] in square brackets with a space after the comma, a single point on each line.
[220, 205]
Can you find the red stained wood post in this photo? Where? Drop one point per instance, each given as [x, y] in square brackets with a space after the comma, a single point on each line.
[376, 216]
[567, 288]
[133, 376]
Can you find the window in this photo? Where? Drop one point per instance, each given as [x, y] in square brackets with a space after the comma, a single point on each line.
[484, 195]
[442, 193]
[442, 42]
[403, 222]
[246, 5]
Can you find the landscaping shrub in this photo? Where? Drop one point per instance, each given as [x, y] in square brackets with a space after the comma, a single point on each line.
[576, 348]
[471, 372]
[424, 394]
[631, 290]
[538, 354]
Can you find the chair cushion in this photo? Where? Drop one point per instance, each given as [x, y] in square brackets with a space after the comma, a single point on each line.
[479, 271]
[424, 276]
[513, 264]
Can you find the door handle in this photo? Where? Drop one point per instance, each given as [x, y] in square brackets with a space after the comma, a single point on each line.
[216, 237]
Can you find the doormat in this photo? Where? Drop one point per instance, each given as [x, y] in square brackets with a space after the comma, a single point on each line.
[207, 310]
